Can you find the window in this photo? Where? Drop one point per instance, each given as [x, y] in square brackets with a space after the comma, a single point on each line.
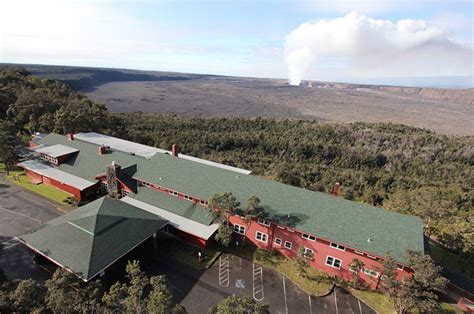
[288, 245]
[263, 222]
[333, 262]
[125, 192]
[290, 230]
[203, 202]
[338, 246]
[104, 186]
[281, 227]
[277, 241]
[263, 237]
[370, 272]
[186, 197]
[308, 237]
[239, 229]
[308, 252]
[372, 257]
[171, 192]
[400, 267]
[359, 252]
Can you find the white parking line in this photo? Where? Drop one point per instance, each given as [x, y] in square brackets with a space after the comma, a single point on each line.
[20, 214]
[310, 307]
[335, 300]
[360, 306]
[224, 271]
[284, 293]
[258, 294]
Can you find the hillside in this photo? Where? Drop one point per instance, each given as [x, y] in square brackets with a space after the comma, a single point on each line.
[447, 111]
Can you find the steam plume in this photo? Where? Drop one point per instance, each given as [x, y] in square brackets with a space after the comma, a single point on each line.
[381, 47]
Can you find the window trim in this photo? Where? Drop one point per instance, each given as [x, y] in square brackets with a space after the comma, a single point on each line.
[308, 236]
[263, 235]
[263, 222]
[278, 239]
[334, 259]
[337, 246]
[370, 272]
[290, 230]
[305, 250]
[288, 248]
[239, 227]
[371, 256]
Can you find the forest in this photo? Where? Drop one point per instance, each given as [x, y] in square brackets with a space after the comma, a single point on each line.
[397, 167]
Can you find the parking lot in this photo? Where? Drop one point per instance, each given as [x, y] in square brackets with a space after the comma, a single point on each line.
[21, 211]
[231, 275]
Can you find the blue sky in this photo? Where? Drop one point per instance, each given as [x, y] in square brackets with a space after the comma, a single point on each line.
[247, 38]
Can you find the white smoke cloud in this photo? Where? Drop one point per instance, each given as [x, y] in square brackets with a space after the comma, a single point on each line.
[378, 47]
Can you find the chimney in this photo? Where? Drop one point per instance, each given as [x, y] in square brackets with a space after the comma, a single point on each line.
[70, 136]
[175, 150]
[335, 189]
[102, 150]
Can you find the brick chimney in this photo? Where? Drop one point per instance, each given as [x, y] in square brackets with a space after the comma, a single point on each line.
[335, 189]
[102, 150]
[175, 150]
[70, 136]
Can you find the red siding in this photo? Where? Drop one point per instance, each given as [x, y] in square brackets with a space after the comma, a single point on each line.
[191, 239]
[321, 249]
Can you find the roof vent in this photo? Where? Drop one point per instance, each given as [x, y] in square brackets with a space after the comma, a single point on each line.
[370, 240]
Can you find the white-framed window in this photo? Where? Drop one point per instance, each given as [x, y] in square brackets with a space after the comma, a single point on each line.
[290, 230]
[338, 246]
[308, 237]
[400, 267]
[307, 252]
[333, 262]
[359, 252]
[175, 193]
[171, 192]
[371, 256]
[203, 202]
[263, 222]
[278, 241]
[281, 227]
[370, 272]
[260, 236]
[239, 229]
[186, 197]
[288, 245]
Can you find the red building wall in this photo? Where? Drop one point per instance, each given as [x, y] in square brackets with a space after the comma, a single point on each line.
[321, 249]
[184, 236]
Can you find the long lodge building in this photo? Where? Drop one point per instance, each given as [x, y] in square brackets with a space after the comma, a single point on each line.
[168, 191]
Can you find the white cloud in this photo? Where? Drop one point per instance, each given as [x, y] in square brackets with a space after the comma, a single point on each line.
[89, 32]
[376, 47]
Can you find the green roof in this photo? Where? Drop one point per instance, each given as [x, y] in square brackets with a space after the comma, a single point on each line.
[175, 205]
[360, 226]
[92, 237]
[363, 227]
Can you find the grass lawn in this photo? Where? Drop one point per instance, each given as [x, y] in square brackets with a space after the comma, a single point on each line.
[187, 254]
[450, 260]
[41, 189]
[377, 300]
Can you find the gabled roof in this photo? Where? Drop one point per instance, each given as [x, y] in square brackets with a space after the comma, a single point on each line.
[57, 150]
[92, 237]
[54, 173]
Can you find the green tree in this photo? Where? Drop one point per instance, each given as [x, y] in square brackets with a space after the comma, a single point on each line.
[80, 116]
[238, 305]
[302, 260]
[88, 298]
[26, 297]
[251, 212]
[418, 291]
[223, 205]
[8, 144]
[59, 295]
[160, 299]
[224, 235]
[356, 267]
